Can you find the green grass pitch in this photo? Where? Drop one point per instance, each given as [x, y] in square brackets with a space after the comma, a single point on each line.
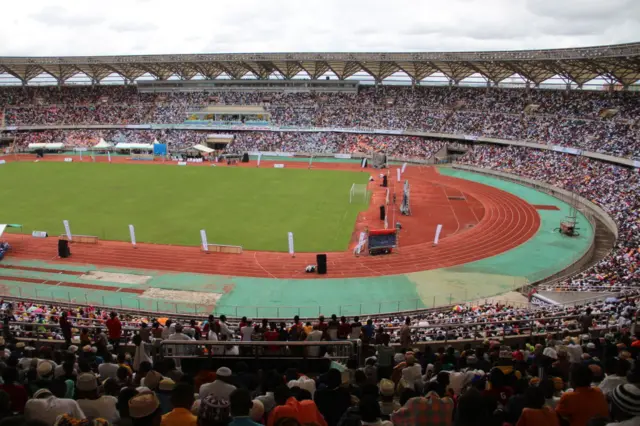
[251, 207]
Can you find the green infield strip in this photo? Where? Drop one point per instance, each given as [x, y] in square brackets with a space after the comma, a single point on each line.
[250, 207]
[546, 253]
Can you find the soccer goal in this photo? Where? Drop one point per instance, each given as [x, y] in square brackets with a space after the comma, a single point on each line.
[358, 193]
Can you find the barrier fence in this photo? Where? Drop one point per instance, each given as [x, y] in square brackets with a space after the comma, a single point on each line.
[147, 306]
[439, 335]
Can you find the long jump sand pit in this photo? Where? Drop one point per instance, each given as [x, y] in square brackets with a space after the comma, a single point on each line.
[119, 278]
[179, 296]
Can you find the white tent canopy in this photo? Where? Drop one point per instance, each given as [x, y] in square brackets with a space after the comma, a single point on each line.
[203, 148]
[103, 144]
[124, 145]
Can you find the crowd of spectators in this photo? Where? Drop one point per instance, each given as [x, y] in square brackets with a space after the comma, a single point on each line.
[614, 188]
[579, 376]
[575, 118]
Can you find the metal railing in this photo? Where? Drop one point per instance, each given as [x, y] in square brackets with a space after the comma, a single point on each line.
[339, 350]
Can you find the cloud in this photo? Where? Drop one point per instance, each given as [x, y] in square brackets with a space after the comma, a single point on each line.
[133, 26]
[71, 27]
[59, 16]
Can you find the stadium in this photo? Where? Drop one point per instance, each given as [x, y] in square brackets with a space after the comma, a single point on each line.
[447, 198]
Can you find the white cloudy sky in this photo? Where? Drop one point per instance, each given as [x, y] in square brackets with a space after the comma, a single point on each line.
[75, 27]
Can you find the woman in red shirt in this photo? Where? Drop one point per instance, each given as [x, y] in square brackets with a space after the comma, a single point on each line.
[272, 335]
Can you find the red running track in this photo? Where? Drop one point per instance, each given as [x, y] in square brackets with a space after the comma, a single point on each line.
[479, 221]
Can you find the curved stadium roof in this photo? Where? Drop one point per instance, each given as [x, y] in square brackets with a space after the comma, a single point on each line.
[615, 63]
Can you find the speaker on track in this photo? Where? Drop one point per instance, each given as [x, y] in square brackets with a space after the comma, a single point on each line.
[63, 248]
[385, 183]
[382, 212]
[321, 260]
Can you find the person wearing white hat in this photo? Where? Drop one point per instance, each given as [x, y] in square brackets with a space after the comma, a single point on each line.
[46, 407]
[44, 370]
[221, 387]
[91, 402]
[625, 405]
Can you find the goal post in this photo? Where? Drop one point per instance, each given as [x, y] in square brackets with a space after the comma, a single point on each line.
[359, 193]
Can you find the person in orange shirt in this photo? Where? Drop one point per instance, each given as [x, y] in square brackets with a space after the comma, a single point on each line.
[182, 400]
[584, 402]
[535, 412]
[305, 412]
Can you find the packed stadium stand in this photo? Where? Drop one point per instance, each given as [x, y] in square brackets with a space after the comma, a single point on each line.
[488, 363]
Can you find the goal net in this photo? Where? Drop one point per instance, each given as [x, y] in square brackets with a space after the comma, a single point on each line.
[358, 193]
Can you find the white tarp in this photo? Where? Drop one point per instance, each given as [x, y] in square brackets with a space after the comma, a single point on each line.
[103, 144]
[2, 228]
[46, 145]
[124, 145]
[203, 148]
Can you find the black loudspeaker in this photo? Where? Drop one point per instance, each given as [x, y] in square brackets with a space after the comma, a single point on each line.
[385, 183]
[63, 248]
[245, 157]
[321, 260]
[382, 213]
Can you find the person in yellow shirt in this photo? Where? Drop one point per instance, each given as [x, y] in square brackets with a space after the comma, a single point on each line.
[182, 399]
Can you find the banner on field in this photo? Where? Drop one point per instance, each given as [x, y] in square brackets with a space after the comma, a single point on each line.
[132, 233]
[203, 237]
[81, 149]
[109, 156]
[364, 163]
[68, 160]
[437, 237]
[39, 234]
[539, 300]
[259, 158]
[182, 163]
[290, 237]
[272, 154]
[159, 149]
[342, 156]
[3, 161]
[404, 167]
[361, 242]
[399, 173]
[278, 166]
[67, 230]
